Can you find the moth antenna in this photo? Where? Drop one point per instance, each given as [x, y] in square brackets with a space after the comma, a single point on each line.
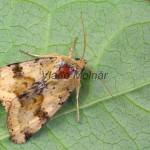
[38, 56]
[72, 47]
[102, 81]
[33, 55]
[84, 34]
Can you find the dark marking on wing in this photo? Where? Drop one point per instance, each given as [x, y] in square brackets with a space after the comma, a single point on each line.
[61, 103]
[24, 95]
[28, 135]
[41, 64]
[41, 114]
[36, 60]
[68, 90]
[32, 103]
[38, 87]
[60, 96]
[17, 70]
[21, 85]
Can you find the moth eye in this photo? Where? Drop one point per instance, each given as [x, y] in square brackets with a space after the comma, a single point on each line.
[64, 72]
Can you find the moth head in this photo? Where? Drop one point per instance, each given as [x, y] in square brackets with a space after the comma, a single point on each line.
[81, 63]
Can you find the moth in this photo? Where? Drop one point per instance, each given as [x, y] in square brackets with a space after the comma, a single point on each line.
[33, 91]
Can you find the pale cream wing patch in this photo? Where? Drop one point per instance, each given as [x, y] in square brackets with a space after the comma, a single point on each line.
[34, 107]
[16, 78]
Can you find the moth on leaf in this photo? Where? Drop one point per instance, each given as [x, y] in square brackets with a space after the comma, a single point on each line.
[33, 91]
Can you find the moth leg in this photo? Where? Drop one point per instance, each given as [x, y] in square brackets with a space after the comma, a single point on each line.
[72, 47]
[77, 98]
[39, 56]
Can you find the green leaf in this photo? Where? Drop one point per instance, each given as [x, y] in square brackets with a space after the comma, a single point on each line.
[118, 43]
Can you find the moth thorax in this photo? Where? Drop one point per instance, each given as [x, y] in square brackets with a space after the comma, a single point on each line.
[64, 72]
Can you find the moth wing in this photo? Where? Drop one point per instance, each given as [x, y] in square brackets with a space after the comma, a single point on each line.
[29, 111]
[18, 77]
[33, 96]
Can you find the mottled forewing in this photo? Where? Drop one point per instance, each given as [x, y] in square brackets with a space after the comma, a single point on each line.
[17, 78]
